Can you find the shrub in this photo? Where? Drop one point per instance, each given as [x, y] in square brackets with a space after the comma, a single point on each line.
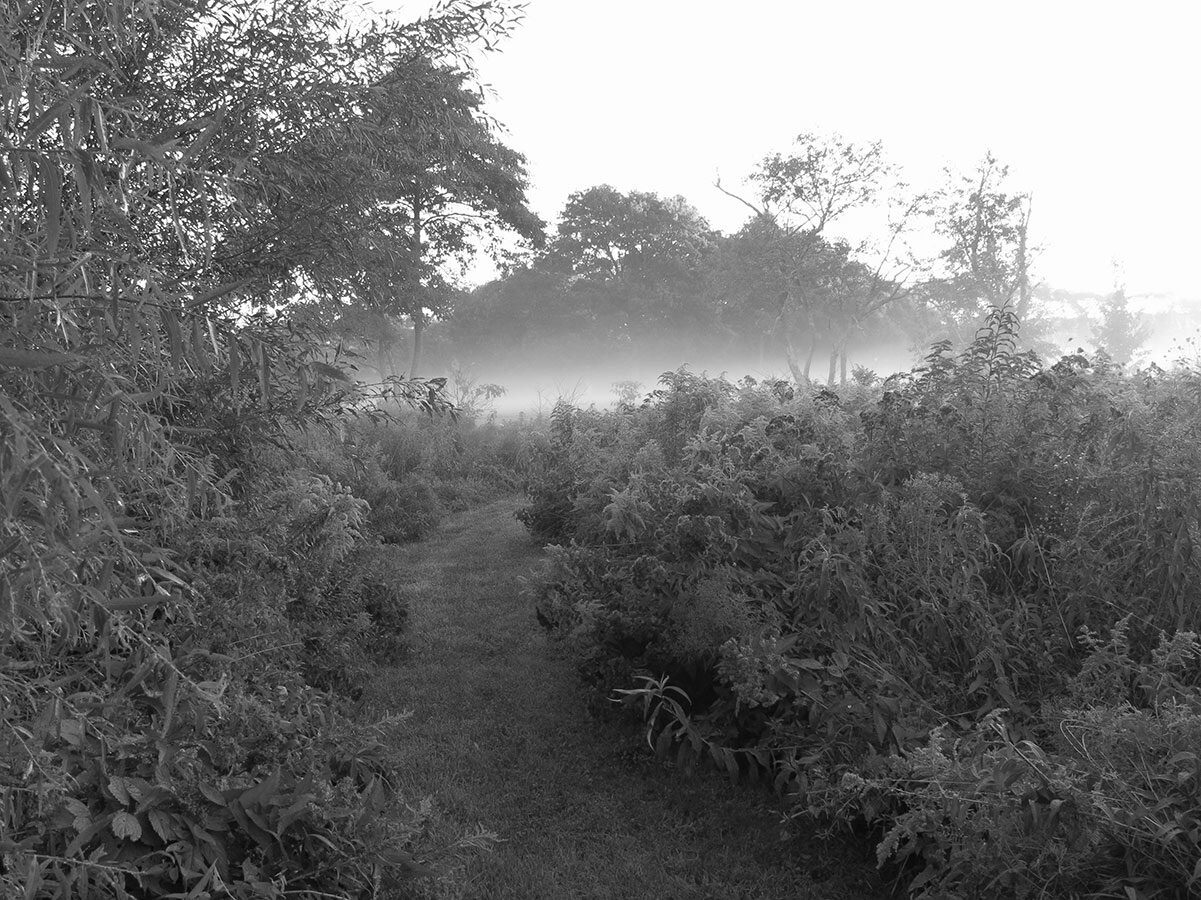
[1108, 805]
[888, 583]
[175, 735]
[165, 773]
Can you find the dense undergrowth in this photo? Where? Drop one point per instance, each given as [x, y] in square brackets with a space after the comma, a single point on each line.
[192, 490]
[959, 608]
[177, 705]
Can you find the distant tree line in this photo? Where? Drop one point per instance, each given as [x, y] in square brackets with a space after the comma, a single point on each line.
[357, 206]
[625, 273]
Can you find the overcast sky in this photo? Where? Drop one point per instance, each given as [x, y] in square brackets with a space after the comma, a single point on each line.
[1096, 108]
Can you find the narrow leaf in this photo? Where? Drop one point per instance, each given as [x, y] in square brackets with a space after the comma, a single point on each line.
[11, 357]
[52, 190]
[264, 376]
[235, 367]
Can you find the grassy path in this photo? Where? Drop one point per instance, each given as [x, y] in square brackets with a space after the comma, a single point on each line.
[500, 737]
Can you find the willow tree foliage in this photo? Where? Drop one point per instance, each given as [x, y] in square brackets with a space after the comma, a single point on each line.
[166, 171]
[171, 176]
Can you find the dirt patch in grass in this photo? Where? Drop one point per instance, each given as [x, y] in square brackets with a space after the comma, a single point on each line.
[500, 740]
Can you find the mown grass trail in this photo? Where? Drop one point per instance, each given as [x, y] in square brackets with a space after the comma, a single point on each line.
[500, 737]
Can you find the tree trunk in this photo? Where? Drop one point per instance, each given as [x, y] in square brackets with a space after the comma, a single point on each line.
[842, 366]
[418, 312]
[418, 329]
[833, 366]
[385, 363]
[790, 355]
[791, 359]
[809, 358]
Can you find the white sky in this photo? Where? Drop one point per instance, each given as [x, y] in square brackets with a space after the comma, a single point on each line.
[1096, 108]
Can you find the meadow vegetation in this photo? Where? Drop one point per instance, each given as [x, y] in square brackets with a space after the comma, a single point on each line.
[500, 738]
[198, 734]
[956, 609]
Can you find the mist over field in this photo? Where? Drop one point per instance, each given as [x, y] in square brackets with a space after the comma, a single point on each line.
[532, 386]
[534, 378]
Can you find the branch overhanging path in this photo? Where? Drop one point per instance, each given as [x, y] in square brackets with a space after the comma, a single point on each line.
[500, 739]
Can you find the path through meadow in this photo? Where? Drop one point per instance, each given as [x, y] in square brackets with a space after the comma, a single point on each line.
[500, 738]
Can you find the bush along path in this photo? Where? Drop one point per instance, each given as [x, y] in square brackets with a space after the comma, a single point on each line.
[502, 746]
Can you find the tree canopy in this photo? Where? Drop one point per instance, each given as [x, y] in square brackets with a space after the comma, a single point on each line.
[170, 174]
[987, 256]
[786, 258]
[446, 188]
[636, 236]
